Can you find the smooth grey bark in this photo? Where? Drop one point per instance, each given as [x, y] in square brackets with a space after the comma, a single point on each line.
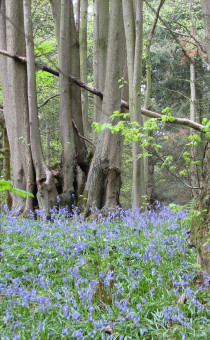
[75, 92]
[104, 179]
[77, 19]
[75, 95]
[47, 192]
[194, 179]
[15, 103]
[83, 61]
[56, 10]
[133, 25]
[65, 114]
[100, 41]
[148, 161]
[47, 142]
[148, 56]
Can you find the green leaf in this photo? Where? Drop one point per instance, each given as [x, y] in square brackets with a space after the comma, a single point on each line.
[21, 192]
[183, 172]
[196, 162]
[195, 138]
[44, 48]
[167, 110]
[44, 77]
[6, 185]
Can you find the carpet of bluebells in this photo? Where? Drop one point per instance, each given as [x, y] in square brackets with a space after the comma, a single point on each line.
[125, 276]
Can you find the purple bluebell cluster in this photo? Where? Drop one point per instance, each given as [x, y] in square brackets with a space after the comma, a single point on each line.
[122, 276]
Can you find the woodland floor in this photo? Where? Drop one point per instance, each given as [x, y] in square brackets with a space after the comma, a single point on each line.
[126, 276]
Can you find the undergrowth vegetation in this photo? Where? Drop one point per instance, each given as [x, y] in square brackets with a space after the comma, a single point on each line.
[124, 276]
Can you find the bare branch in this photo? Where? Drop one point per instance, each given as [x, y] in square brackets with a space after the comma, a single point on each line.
[150, 114]
[173, 173]
[48, 99]
[76, 128]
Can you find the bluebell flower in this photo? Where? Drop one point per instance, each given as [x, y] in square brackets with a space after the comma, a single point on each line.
[144, 331]
[78, 334]
[65, 331]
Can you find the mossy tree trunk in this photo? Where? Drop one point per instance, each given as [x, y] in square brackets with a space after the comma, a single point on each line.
[200, 230]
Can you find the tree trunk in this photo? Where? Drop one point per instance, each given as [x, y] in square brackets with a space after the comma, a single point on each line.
[77, 20]
[104, 179]
[80, 156]
[148, 161]
[14, 85]
[133, 24]
[6, 161]
[200, 228]
[47, 142]
[47, 192]
[205, 6]
[83, 62]
[75, 97]
[100, 40]
[193, 168]
[67, 134]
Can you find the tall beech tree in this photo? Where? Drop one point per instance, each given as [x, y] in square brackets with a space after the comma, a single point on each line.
[133, 25]
[46, 188]
[15, 101]
[148, 162]
[65, 114]
[100, 41]
[71, 123]
[200, 228]
[104, 179]
[83, 60]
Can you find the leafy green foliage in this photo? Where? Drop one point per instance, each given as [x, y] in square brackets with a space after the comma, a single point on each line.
[44, 77]
[206, 128]
[167, 115]
[43, 48]
[6, 185]
[195, 139]
[132, 131]
[167, 161]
